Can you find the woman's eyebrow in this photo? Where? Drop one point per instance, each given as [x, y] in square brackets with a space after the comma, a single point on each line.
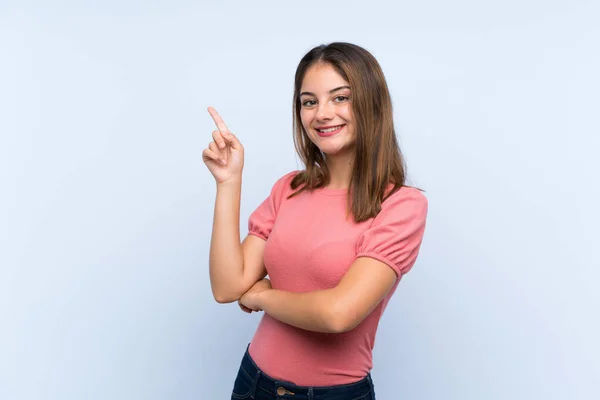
[330, 92]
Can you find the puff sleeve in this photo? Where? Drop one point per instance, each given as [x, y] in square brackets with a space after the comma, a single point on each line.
[262, 219]
[395, 234]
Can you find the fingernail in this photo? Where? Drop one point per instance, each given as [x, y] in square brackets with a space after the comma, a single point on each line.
[221, 145]
[223, 161]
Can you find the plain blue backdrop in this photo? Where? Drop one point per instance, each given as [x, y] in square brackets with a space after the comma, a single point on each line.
[106, 206]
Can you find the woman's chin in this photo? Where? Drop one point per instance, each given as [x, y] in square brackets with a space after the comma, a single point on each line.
[335, 151]
[335, 145]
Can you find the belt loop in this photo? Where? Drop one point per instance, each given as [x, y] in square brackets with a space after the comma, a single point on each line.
[254, 385]
[370, 382]
[310, 393]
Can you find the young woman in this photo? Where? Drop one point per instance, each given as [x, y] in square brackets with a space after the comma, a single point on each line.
[334, 238]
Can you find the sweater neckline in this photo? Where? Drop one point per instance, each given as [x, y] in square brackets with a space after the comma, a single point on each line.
[332, 192]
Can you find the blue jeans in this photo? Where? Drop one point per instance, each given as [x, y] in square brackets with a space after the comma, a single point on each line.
[252, 383]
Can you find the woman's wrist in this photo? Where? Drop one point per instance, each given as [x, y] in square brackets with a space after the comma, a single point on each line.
[262, 298]
[230, 183]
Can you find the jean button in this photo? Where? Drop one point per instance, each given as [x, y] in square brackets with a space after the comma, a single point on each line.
[281, 390]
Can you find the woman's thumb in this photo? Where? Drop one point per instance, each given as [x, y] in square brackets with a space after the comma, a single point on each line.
[232, 139]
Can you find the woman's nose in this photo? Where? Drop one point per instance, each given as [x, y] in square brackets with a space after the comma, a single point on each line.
[324, 112]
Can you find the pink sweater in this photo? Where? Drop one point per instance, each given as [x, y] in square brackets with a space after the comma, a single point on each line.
[310, 246]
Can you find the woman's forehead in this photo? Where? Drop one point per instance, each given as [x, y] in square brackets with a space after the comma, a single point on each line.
[322, 78]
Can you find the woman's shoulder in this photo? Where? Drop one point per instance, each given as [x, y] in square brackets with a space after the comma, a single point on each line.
[290, 175]
[283, 183]
[286, 179]
[406, 196]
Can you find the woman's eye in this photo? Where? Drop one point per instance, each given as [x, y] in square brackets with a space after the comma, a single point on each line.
[308, 103]
[341, 98]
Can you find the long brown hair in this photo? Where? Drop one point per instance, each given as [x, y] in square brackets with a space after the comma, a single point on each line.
[378, 161]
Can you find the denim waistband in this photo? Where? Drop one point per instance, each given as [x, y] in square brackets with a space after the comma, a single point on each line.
[281, 387]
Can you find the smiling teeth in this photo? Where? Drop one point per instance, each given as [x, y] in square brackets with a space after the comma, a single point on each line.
[335, 128]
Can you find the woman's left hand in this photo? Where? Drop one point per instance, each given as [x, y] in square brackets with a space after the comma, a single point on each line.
[250, 299]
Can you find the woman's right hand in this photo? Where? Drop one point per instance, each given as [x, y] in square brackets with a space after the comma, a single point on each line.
[246, 309]
[263, 284]
[224, 156]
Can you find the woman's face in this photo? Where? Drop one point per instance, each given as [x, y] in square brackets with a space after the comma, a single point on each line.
[326, 110]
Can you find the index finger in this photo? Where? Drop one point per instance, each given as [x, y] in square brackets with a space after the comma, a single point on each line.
[218, 120]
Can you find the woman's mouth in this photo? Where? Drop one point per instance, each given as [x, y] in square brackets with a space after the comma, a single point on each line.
[329, 131]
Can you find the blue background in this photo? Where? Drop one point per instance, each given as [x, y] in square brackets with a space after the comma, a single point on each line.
[106, 206]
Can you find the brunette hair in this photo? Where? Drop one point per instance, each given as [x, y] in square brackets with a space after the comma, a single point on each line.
[378, 161]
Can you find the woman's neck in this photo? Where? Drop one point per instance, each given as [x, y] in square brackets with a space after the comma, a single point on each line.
[340, 171]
